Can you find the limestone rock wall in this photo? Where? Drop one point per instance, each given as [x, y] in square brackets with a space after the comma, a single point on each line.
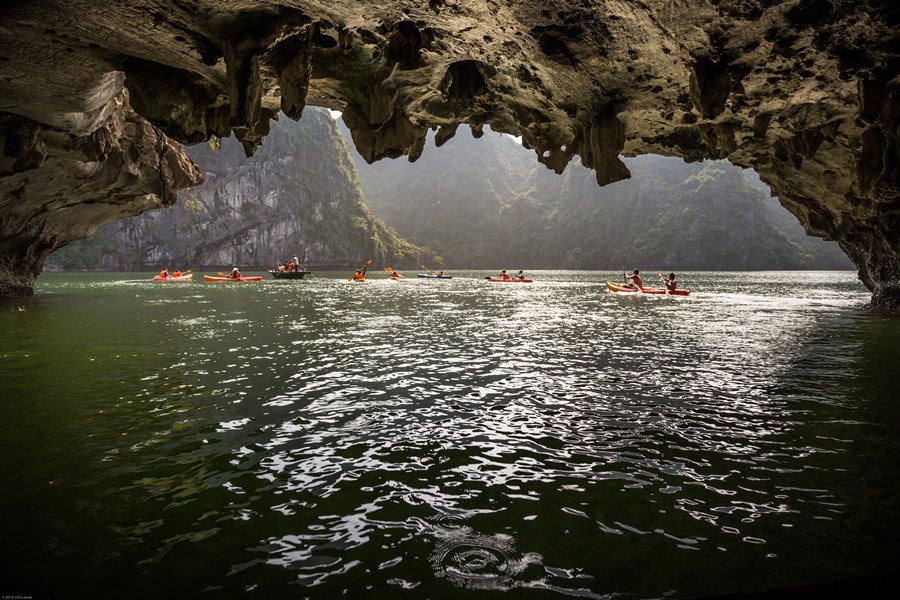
[804, 91]
[297, 195]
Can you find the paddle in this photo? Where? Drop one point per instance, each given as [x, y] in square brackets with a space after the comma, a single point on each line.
[427, 269]
[365, 266]
[665, 283]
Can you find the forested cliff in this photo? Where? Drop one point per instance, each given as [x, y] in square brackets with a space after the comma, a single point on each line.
[487, 203]
[297, 195]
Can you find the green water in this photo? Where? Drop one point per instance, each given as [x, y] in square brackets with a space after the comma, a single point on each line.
[440, 439]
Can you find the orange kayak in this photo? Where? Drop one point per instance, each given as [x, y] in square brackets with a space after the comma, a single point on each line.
[616, 287]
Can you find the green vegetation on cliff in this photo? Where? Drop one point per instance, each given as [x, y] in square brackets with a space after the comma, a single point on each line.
[487, 203]
[298, 195]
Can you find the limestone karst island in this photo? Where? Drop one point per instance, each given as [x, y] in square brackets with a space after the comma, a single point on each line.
[449, 298]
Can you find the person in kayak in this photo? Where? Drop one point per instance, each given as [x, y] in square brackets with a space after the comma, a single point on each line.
[360, 275]
[296, 262]
[520, 275]
[670, 282]
[176, 274]
[504, 275]
[395, 273]
[634, 280]
[164, 274]
[235, 273]
[441, 274]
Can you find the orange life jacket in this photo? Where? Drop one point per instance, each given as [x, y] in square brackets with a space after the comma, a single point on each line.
[164, 273]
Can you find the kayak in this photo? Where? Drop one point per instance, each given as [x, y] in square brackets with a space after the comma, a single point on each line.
[427, 276]
[616, 287]
[174, 279]
[230, 279]
[289, 274]
[499, 280]
[396, 277]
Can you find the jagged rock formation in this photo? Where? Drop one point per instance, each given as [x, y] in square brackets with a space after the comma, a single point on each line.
[804, 91]
[57, 185]
[297, 195]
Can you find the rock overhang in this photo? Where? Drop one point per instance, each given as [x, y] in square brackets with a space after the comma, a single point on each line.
[805, 92]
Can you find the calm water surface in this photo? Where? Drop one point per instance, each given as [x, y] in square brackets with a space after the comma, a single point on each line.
[440, 439]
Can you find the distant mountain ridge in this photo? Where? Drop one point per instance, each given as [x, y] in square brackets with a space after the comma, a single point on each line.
[298, 195]
[486, 203]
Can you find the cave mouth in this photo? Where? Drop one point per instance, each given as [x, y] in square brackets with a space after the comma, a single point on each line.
[803, 92]
[669, 215]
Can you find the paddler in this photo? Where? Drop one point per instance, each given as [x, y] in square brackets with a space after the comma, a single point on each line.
[296, 263]
[176, 274]
[634, 280]
[441, 274]
[670, 282]
[235, 273]
[504, 275]
[164, 274]
[520, 275]
[359, 276]
[395, 274]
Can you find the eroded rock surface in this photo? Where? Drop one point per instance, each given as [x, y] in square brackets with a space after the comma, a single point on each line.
[804, 91]
[57, 186]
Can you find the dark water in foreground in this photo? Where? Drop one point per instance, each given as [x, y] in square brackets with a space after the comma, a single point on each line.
[437, 439]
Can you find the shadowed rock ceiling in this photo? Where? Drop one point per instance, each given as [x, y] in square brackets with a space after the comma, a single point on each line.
[805, 92]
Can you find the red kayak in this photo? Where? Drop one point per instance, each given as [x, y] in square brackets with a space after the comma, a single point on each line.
[616, 287]
[174, 279]
[227, 279]
[499, 280]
